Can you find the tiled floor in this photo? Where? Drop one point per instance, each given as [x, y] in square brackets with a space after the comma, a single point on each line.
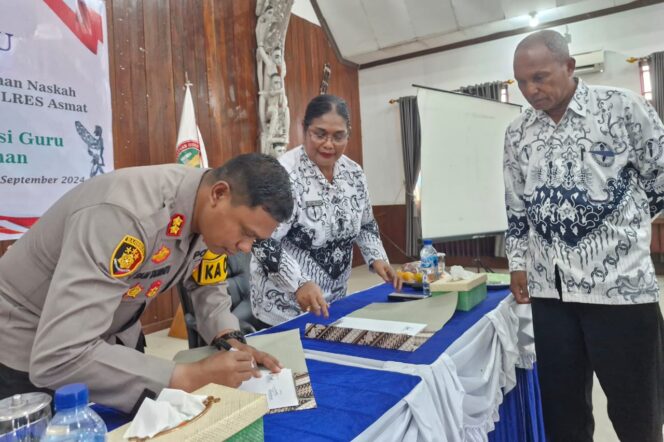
[159, 344]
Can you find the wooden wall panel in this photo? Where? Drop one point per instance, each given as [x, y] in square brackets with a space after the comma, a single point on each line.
[392, 224]
[307, 51]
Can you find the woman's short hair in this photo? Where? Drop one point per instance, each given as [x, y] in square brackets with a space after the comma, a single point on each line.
[321, 105]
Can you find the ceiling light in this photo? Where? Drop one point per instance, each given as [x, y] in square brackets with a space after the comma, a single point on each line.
[534, 20]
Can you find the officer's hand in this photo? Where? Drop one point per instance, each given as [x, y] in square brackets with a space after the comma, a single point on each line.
[519, 287]
[385, 271]
[229, 368]
[265, 359]
[310, 298]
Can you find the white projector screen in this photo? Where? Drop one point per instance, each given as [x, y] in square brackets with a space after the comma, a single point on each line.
[462, 191]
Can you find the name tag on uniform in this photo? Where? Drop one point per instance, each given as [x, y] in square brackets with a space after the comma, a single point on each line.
[212, 269]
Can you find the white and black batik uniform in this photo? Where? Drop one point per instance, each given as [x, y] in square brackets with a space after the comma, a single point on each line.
[316, 243]
[580, 196]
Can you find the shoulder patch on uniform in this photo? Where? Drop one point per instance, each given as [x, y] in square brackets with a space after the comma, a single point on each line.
[213, 269]
[154, 289]
[162, 255]
[134, 291]
[175, 225]
[129, 254]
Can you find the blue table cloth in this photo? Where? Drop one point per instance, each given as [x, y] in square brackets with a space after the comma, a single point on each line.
[520, 413]
[426, 354]
[349, 400]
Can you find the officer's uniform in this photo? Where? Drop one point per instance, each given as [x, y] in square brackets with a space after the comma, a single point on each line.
[72, 288]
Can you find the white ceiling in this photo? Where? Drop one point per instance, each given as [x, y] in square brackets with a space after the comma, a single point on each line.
[371, 30]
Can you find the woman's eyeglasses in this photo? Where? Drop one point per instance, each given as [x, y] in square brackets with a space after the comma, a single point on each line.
[337, 138]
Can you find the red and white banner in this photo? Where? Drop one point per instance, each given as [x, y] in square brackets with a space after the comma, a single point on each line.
[55, 104]
[190, 149]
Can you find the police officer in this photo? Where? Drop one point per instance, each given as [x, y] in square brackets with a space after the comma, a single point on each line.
[73, 287]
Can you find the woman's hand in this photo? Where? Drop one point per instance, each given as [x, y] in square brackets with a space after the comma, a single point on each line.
[310, 298]
[385, 271]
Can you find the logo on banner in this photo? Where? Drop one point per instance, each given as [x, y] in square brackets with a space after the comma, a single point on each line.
[5, 41]
[95, 145]
[84, 23]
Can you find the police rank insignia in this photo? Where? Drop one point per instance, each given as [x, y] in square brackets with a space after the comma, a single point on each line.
[127, 257]
[154, 289]
[162, 255]
[211, 270]
[175, 225]
[134, 291]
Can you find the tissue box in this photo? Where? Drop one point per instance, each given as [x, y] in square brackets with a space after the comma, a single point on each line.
[237, 416]
[471, 291]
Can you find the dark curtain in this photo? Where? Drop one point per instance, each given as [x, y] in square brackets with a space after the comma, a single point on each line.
[484, 90]
[656, 63]
[410, 141]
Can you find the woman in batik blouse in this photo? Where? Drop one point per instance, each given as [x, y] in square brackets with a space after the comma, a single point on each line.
[306, 264]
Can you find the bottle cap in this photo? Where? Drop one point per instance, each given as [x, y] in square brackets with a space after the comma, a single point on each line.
[428, 242]
[71, 396]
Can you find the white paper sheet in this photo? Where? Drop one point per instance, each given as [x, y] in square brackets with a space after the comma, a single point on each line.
[379, 325]
[278, 387]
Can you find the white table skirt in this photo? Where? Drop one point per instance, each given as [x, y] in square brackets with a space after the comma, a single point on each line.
[461, 391]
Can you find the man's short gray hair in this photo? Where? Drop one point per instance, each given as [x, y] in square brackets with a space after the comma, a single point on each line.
[555, 42]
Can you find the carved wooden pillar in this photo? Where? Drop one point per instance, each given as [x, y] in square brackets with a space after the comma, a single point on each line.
[273, 112]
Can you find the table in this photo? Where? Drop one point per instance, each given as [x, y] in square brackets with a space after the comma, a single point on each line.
[466, 367]
[453, 388]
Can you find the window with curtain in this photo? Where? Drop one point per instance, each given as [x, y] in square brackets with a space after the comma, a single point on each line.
[644, 74]
[504, 93]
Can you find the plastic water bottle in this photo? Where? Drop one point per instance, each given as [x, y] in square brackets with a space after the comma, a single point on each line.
[74, 421]
[428, 265]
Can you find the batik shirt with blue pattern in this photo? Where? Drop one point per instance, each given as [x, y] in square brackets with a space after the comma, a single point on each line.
[316, 244]
[580, 196]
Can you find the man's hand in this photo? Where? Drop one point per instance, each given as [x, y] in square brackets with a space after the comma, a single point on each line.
[519, 287]
[385, 271]
[265, 359]
[229, 368]
[310, 298]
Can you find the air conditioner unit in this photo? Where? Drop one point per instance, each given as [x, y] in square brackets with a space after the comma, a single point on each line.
[589, 62]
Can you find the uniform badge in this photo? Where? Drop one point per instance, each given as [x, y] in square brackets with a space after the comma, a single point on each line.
[175, 225]
[134, 291]
[127, 257]
[162, 255]
[154, 289]
[212, 269]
